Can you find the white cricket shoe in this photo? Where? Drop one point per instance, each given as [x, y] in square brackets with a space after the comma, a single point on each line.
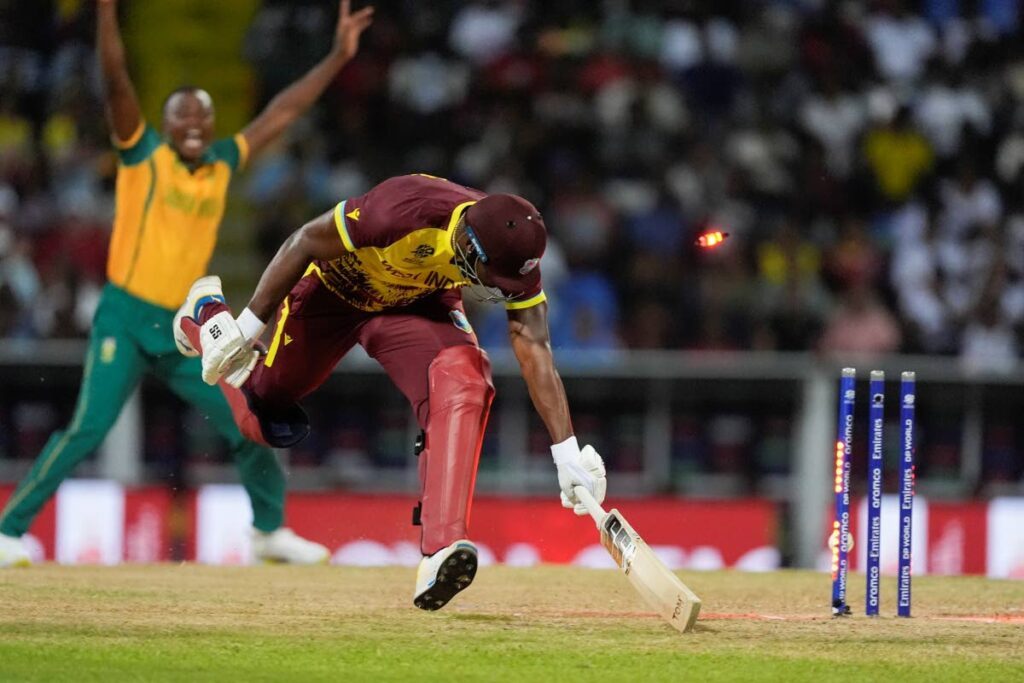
[204, 290]
[444, 574]
[285, 546]
[13, 552]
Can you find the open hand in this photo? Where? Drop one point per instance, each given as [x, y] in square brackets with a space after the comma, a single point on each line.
[350, 27]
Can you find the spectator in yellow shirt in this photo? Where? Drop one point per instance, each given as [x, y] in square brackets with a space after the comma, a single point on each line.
[898, 156]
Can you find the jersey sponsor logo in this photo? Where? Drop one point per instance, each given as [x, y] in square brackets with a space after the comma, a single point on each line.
[353, 214]
[529, 265]
[176, 198]
[460, 321]
[287, 339]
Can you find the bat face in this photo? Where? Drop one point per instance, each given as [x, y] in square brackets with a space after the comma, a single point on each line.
[658, 586]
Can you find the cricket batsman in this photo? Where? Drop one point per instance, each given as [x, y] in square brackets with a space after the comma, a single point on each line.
[170, 193]
[385, 271]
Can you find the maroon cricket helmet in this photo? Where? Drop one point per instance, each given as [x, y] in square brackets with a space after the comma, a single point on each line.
[510, 236]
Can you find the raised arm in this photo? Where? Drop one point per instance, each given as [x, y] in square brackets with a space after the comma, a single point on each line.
[317, 239]
[294, 100]
[122, 106]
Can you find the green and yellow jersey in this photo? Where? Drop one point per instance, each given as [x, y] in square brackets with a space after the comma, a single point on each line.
[167, 216]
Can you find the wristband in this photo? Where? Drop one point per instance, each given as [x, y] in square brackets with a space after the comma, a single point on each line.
[566, 451]
[250, 326]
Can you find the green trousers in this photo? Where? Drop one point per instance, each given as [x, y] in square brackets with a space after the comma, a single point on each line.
[130, 337]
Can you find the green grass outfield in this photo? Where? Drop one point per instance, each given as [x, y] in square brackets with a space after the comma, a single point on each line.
[194, 623]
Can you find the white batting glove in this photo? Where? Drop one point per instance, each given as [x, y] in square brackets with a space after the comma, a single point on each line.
[578, 468]
[227, 352]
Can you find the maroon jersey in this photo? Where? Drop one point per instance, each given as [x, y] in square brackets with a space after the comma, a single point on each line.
[399, 247]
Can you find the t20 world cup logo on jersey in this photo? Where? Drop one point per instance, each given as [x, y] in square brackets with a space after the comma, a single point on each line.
[417, 255]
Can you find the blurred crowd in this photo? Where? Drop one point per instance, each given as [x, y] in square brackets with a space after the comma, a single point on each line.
[865, 158]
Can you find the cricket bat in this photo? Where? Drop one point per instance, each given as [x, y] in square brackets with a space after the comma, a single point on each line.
[659, 587]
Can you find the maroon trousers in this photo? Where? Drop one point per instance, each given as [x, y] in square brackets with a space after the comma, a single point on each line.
[314, 329]
[428, 352]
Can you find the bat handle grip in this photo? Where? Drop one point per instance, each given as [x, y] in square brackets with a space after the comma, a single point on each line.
[589, 502]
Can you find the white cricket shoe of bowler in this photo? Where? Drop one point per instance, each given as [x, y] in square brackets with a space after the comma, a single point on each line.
[444, 574]
[205, 290]
[13, 552]
[286, 547]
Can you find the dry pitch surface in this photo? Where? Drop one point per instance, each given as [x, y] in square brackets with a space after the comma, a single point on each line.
[192, 623]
